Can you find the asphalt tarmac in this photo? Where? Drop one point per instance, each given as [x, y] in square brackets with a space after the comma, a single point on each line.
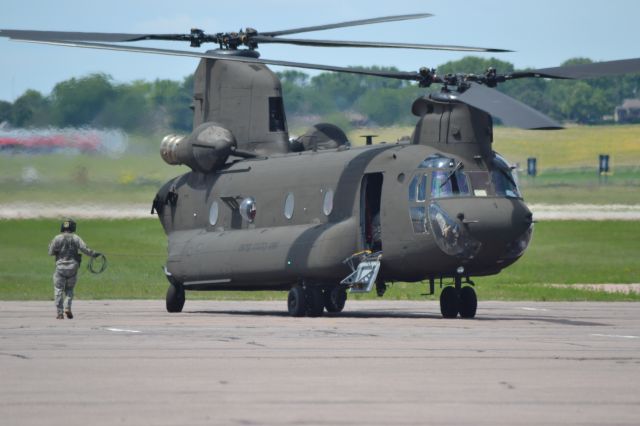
[378, 363]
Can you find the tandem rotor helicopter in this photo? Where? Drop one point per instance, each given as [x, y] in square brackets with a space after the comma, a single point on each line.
[317, 217]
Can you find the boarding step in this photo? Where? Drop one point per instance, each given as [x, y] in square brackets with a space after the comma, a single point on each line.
[365, 267]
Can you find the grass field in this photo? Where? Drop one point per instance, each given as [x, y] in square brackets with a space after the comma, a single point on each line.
[561, 253]
[567, 162]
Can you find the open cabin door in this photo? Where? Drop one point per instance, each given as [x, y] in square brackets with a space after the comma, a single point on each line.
[370, 201]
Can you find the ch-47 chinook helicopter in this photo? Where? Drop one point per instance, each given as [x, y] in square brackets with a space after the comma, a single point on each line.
[318, 217]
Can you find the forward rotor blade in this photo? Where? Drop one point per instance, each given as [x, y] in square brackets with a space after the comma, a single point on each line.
[412, 76]
[596, 69]
[348, 24]
[80, 36]
[507, 109]
[342, 43]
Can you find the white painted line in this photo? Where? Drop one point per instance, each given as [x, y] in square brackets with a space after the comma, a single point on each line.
[121, 330]
[616, 336]
[534, 309]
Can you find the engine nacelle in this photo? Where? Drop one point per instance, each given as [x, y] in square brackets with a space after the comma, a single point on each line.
[205, 150]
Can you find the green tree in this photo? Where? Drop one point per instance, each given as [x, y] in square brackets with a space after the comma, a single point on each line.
[29, 109]
[5, 111]
[76, 102]
[128, 108]
[180, 111]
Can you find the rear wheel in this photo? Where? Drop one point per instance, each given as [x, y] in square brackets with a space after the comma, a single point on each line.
[335, 299]
[296, 302]
[449, 302]
[468, 302]
[314, 300]
[175, 298]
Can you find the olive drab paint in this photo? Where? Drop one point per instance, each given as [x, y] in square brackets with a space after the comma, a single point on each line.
[331, 213]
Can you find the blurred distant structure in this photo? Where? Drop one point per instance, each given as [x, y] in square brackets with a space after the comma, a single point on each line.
[69, 140]
[628, 112]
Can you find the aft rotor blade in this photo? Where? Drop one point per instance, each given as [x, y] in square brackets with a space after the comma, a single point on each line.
[348, 24]
[583, 71]
[510, 111]
[81, 36]
[212, 55]
[375, 44]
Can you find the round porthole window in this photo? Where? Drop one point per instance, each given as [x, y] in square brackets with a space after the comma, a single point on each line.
[213, 213]
[288, 206]
[327, 204]
[248, 209]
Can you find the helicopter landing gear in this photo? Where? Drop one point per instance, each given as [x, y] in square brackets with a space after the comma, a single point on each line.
[305, 300]
[175, 297]
[314, 300]
[449, 302]
[468, 302]
[296, 302]
[335, 298]
[456, 300]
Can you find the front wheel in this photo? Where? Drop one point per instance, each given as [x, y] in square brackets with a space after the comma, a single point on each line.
[468, 302]
[175, 298]
[449, 302]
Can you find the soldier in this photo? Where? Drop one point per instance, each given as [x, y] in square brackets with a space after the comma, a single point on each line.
[65, 248]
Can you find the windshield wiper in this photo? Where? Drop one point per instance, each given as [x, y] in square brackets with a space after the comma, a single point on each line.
[453, 172]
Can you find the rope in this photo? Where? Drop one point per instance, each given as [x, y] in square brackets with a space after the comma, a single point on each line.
[102, 264]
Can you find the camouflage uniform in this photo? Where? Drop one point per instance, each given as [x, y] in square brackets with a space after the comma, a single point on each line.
[65, 247]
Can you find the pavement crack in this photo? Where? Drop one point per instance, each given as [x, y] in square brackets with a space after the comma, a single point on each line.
[15, 355]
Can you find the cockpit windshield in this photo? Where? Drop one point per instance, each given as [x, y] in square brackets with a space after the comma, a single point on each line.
[504, 179]
[452, 183]
[450, 179]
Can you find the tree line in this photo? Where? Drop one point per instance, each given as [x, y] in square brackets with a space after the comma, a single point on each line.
[96, 100]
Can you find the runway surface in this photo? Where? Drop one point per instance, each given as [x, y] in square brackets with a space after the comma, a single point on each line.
[378, 363]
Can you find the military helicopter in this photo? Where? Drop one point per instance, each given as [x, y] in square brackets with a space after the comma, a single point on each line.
[317, 217]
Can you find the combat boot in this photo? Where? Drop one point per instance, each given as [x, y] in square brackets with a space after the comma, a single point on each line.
[69, 314]
[60, 316]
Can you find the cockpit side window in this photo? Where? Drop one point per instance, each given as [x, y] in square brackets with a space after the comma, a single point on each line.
[413, 188]
[418, 188]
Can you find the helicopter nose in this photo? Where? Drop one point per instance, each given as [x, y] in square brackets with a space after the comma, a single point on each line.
[489, 228]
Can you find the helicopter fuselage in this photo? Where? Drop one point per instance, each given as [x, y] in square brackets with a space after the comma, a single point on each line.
[271, 223]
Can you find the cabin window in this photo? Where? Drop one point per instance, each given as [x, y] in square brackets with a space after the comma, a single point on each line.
[445, 183]
[213, 213]
[327, 203]
[248, 209]
[289, 205]
[277, 120]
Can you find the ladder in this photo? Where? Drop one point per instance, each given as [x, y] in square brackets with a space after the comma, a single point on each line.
[365, 267]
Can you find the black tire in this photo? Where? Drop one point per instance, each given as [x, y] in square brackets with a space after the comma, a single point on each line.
[296, 302]
[335, 299]
[468, 302]
[175, 298]
[449, 302]
[314, 300]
